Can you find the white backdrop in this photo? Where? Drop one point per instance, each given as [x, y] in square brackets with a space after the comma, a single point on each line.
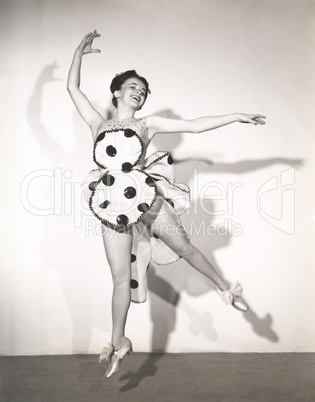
[251, 186]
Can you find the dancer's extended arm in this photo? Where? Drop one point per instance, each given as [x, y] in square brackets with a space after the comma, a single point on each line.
[157, 124]
[83, 105]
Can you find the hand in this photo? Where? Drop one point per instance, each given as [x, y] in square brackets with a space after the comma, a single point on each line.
[85, 46]
[251, 118]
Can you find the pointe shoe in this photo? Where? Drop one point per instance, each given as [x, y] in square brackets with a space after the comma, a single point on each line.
[106, 353]
[233, 296]
[118, 356]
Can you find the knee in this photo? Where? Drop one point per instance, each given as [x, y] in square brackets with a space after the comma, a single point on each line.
[121, 279]
[186, 251]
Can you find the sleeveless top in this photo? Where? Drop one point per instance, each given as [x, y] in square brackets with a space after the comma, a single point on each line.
[124, 187]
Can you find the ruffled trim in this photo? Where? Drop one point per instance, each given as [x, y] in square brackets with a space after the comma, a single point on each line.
[138, 302]
[164, 154]
[176, 185]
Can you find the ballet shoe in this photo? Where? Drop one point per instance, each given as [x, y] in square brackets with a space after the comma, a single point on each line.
[118, 356]
[106, 353]
[233, 296]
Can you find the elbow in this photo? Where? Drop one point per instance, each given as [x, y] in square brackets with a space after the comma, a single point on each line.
[72, 86]
[72, 89]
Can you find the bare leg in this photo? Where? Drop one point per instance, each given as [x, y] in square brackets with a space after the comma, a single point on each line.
[118, 252]
[164, 224]
[168, 229]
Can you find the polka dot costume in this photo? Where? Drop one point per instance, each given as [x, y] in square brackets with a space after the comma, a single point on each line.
[124, 187]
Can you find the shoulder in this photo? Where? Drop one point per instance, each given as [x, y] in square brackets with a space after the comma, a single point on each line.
[151, 123]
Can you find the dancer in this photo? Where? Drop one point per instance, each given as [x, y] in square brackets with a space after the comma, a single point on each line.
[136, 198]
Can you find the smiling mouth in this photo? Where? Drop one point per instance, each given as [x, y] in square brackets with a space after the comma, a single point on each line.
[136, 98]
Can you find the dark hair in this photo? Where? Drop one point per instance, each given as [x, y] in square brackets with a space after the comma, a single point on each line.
[120, 79]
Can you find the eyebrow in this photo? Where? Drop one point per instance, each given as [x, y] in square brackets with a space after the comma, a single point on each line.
[134, 83]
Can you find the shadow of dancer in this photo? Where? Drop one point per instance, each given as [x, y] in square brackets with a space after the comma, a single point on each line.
[163, 325]
[189, 281]
[61, 242]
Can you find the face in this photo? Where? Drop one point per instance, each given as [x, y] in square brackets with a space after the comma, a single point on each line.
[133, 93]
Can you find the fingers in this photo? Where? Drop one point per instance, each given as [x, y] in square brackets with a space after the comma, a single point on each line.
[91, 36]
[92, 33]
[257, 119]
[95, 34]
[86, 44]
[257, 122]
[87, 38]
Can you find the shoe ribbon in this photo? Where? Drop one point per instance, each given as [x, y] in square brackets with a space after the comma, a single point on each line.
[228, 295]
[106, 353]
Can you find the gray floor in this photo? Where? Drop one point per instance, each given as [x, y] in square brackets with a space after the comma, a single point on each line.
[160, 377]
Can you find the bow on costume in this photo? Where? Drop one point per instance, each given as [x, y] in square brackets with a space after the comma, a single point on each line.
[148, 247]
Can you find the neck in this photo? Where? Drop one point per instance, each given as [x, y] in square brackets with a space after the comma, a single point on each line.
[122, 113]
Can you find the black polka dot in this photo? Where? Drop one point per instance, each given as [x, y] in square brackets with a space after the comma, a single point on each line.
[129, 133]
[108, 180]
[156, 236]
[126, 167]
[144, 207]
[92, 185]
[133, 258]
[111, 151]
[134, 284]
[121, 229]
[130, 192]
[100, 137]
[170, 160]
[122, 220]
[150, 181]
[104, 204]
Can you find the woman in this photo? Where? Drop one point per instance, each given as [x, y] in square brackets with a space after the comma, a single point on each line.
[135, 197]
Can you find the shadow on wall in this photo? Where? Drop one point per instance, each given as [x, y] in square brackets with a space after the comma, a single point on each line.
[164, 297]
[58, 234]
[60, 240]
[187, 280]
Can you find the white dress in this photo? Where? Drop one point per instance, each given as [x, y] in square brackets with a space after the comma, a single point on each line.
[124, 188]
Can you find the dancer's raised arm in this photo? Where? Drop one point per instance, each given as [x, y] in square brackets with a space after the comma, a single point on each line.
[157, 124]
[83, 105]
